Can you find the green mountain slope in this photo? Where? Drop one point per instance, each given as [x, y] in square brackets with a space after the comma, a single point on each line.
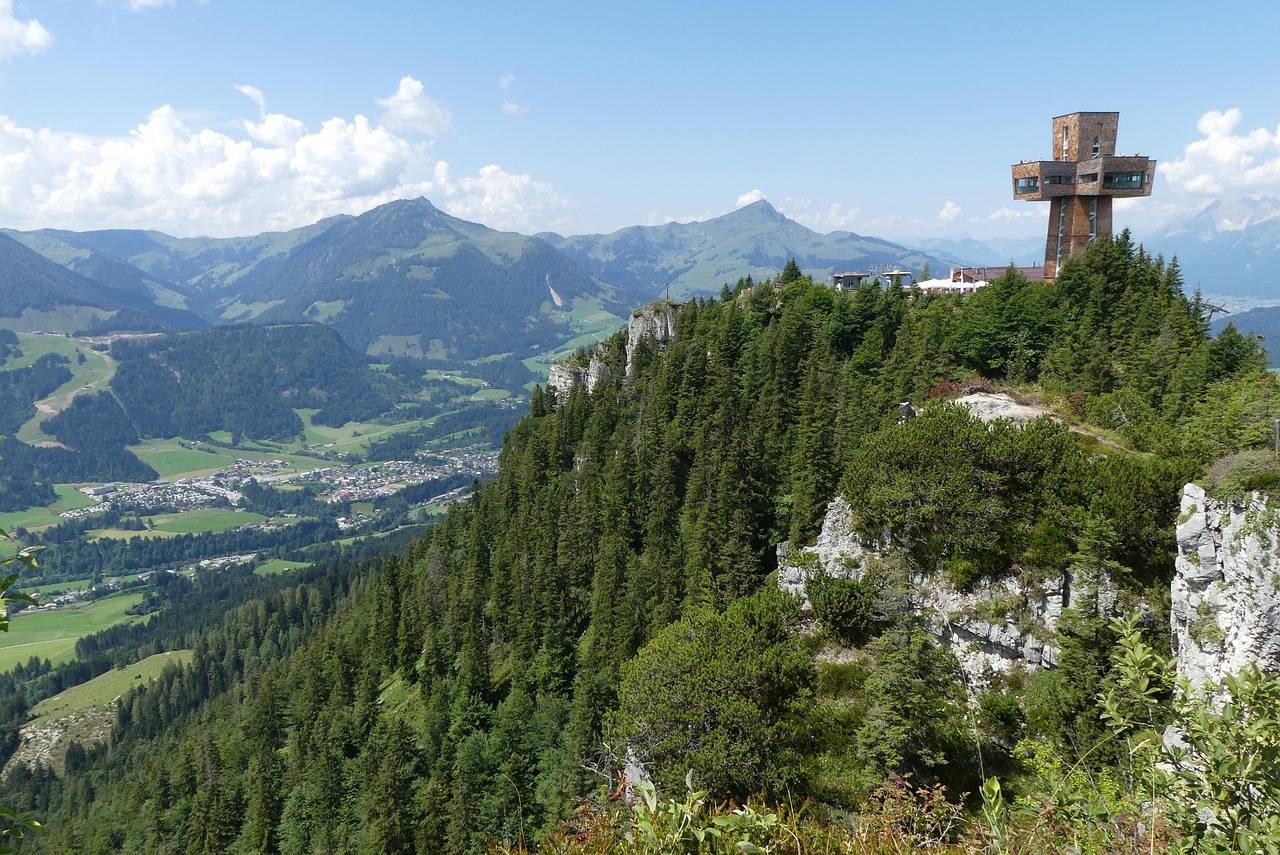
[37, 293]
[168, 301]
[754, 241]
[409, 279]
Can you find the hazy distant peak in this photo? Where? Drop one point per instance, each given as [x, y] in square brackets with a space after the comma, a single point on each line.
[761, 210]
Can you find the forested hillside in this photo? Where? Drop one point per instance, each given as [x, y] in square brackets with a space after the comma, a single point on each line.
[608, 599]
[244, 379]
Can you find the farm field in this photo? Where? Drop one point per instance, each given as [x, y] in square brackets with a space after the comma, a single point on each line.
[105, 688]
[53, 634]
[171, 460]
[353, 436]
[279, 565]
[69, 498]
[53, 588]
[208, 519]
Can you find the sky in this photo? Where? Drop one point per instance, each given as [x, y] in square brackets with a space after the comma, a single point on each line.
[891, 119]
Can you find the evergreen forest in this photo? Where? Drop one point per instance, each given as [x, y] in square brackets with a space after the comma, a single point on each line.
[610, 601]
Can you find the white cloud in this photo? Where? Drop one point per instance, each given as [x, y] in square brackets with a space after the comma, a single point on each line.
[506, 80]
[834, 218]
[138, 5]
[750, 197]
[1226, 162]
[20, 37]
[1029, 212]
[172, 173]
[511, 108]
[501, 200]
[254, 94]
[411, 109]
[949, 211]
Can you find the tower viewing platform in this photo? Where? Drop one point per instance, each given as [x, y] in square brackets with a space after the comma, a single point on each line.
[1081, 182]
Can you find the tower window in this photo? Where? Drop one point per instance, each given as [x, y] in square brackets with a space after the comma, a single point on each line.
[1122, 181]
[1097, 144]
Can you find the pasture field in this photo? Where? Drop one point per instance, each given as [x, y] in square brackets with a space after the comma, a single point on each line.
[124, 534]
[52, 634]
[173, 461]
[93, 375]
[490, 395]
[105, 688]
[69, 498]
[207, 519]
[52, 588]
[353, 436]
[279, 565]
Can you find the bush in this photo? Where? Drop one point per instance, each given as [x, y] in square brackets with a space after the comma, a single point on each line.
[846, 607]
[1236, 475]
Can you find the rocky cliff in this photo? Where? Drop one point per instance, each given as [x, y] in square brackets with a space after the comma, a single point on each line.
[656, 321]
[1225, 597]
[1226, 593]
[993, 629]
[564, 377]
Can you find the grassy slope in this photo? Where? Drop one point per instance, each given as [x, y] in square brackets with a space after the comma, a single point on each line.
[53, 634]
[105, 688]
[94, 374]
[68, 499]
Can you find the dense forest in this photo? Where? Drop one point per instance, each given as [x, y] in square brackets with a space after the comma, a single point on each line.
[609, 600]
[244, 379]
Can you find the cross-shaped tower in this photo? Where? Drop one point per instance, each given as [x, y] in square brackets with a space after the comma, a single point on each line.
[1080, 182]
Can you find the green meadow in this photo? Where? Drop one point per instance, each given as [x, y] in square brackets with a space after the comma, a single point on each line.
[105, 688]
[52, 634]
[171, 460]
[279, 565]
[208, 519]
[69, 498]
[94, 374]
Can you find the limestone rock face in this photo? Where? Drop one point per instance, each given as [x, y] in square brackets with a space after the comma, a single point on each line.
[994, 629]
[1225, 610]
[656, 321]
[564, 377]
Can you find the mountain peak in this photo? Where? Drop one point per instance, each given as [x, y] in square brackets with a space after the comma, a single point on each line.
[762, 209]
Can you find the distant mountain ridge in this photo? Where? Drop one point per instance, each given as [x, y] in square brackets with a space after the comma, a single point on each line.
[1227, 247]
[407, 279]
[755, 240]
[80, 291]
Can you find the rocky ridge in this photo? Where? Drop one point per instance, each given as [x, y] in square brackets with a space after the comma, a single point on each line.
[564, 377]
[1225, 596]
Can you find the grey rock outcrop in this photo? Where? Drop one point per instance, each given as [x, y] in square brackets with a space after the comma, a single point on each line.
[990, 406]
[656, 321]
[1225, 610]
[564, 377]
[995, 628]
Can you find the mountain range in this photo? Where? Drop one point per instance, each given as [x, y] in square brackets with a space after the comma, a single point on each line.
[406, 279]
[755, 240]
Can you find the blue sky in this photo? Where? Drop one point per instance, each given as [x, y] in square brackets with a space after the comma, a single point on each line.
[898, 120]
